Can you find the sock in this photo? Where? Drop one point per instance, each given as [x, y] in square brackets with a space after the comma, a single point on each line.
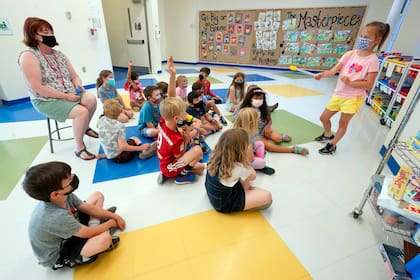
[196, 141]
[327, 134]
[93, 222]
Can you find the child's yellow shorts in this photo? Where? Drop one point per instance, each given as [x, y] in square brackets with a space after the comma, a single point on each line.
[350, 105]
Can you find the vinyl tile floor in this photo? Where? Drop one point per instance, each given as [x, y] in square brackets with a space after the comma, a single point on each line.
[313, 196]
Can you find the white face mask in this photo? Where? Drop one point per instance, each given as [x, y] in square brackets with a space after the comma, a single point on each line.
[256, 103]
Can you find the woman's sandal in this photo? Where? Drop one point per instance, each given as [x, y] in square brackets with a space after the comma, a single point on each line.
[285, 138]
[92, 133]
[90, 155]
[301, 151]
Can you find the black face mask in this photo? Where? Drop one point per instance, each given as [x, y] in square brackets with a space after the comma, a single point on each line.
[49, 40]
[200, 77]
[74, 184]
[198, 104]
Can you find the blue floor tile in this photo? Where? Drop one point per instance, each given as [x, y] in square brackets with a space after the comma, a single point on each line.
[255, 78]
[19, 112]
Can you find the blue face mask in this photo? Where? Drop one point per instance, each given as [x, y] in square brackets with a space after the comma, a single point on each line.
[362, 43]
[111, 82]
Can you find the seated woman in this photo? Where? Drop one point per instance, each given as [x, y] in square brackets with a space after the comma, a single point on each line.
[54, 84]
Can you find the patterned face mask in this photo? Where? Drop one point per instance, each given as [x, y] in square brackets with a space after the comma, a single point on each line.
[362, 43]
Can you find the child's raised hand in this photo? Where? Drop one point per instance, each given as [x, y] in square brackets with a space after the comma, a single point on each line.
[130, 63]
[171, 65]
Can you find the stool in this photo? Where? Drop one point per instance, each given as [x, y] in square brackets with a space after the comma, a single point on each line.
[57, 132]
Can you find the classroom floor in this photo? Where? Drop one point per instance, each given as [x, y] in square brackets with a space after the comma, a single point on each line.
[172, 231]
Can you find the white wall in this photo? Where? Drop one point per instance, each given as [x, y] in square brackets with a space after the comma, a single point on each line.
[408, 40]
[73, 36]
[181, 28]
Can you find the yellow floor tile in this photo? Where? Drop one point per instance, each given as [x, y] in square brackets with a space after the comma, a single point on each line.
[207, 245]
[234, 70]
[291, 91]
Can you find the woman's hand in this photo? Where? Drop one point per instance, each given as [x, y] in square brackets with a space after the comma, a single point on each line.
[73, 97]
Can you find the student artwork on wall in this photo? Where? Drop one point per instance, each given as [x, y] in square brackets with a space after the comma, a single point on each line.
[312, 38]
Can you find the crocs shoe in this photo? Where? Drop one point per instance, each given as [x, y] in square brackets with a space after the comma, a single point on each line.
[329, 149]
[151, 151]
[323, 138]
[162, 179]
[114, 243]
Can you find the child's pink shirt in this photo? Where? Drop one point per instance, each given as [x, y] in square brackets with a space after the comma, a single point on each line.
[181, 92]
[356, 68]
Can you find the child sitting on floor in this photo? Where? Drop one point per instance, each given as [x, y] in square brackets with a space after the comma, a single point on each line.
[112, 136]
[133, 86]
[150, 114]
[105, 85]
[229, 175]
[181, 87]
[64, 230]
[247, 118]
[197, 109]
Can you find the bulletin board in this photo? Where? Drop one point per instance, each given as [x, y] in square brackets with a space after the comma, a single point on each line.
[311, 38]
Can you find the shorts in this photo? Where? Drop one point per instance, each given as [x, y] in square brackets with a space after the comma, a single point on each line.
[71, 248]
[173, 169]
[56, 109]
[225, 199]
[146, 132]
[346, 105]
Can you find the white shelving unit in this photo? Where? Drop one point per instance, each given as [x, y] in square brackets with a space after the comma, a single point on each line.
[391, 87]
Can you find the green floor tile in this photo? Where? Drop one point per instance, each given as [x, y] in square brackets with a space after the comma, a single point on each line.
[192, 79]
[17, 156]
[301, 130]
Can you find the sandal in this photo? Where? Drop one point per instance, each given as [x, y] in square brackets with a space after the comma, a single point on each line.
[301, 151]
[90, 155]
[92, 133]
[285, 138]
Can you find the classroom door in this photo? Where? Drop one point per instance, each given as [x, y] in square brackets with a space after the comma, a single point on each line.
[126, 23]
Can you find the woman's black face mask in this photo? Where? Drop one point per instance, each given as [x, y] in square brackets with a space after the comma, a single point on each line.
[49, 40]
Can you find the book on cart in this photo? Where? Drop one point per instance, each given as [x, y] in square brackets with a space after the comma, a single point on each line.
[393, 258]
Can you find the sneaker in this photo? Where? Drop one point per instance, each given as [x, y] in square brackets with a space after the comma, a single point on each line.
[272, 107]
[162, 179]
[114, 243]
[149, 152]
[80, 260]
[223, 121]
[323, 138]
[266, 170]
[328, 149]
[187, 179]
[205, 149]
[112, 209]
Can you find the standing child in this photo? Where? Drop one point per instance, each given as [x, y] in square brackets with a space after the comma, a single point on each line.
[247, 118]
[150, 114]
[203, 79]
[229, 175]
[133, 86]
[358, 69]
[112, 137]
[256, 98]
[105, 85]
[64, 230]
[181, 87]
[236, 91]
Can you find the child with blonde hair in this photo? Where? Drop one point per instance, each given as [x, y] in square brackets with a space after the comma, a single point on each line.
[105, 84]
[358, 69]
[247, 118]
[175, 133]
[181, 87]
[256, 98]
[229, 175]
[112, 136]
[133, 86]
